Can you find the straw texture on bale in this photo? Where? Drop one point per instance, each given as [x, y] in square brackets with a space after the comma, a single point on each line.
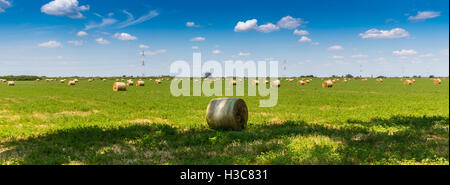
[119, 86]
[327, 84]
[227, 113]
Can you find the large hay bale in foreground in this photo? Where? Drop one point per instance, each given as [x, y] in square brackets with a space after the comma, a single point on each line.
[140, 83]
[119, 86]
[227, 113]
[327, 84]
[11, 83]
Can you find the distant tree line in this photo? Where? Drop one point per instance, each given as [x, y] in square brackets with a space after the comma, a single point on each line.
[21, 78]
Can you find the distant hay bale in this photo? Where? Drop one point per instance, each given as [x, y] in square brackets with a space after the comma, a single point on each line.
[413, 80]
[327, 84]
[117, 80]
[104, 80]
[70, 83]
[38, 80]
[130, 83]
[437, 81]
[307, 81]
[380, 80]
[301, 82]
[364, 79]
[62, 81]
[407, 82]
[90, 80]
[75, 80]
[227, 113]
[290, 80]
[276, 83]
[140, 83]
[119, 86]
[11, 83]
[233, 82]
[157, 81]
[255, 82]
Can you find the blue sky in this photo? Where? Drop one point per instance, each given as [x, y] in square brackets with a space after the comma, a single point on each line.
[67, 37]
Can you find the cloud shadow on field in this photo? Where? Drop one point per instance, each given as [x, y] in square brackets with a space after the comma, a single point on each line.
[293, 142]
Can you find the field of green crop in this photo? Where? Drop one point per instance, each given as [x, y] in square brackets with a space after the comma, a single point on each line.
[352, 123]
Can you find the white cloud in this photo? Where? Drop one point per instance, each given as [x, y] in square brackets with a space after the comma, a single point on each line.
[289, 22]
[359, 56]
[404, 52]
[131, 21]
[301, 32]
[424, 15]
[105, 22]
[142, 46]
[3, 5]
[243, 54]
[216, 52]
[304, 39]
[102, 41]
[246, 26]
[195, 47]
[384, 34]
[315, 43]
[198, 39]
[161, 51]
[124, 36]
[335, 48]
[268, 28]
[67, 8]
[110, 14]
[337, 57]
[82, 34]
[76, 42]
[192, 24]
[427, 55]
[50, 44]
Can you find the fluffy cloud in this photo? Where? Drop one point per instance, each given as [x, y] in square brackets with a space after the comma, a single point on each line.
[246, 26]
[424, 16]
[67, 8]
[243, 54]
[160, 51]
[304, 39]
[359, 56]
[142, 46]
[384, 34]
[105, 22]
[76, 42]
[131, 21]
[337, 57]
[102, 41]
[404, 52]
[268, 28]
[192, 24]
[216, 52]
[335, 48]
[82, 34]
[50, 44]
[3, 5]
[289, 22]
[198, 39]
[124, 36]
[301, 32]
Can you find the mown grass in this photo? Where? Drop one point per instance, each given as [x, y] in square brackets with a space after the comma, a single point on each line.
[353, 123]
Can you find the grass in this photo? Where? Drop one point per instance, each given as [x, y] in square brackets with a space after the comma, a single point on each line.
[353, 123]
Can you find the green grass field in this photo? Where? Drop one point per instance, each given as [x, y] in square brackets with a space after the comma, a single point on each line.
[353, 123]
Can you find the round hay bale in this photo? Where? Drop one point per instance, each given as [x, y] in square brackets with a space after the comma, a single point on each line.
[119, 86]
[62, 81]
[38, 80]
[275, 83]
[70, 83]
[117, 80]
[300, 83]
[327, 84]
[407, 82]
[437, 81]
[130, 83]
[159, 81]
[255, 82]
[90, 80]
[233, 82]
[140, 83]
[11, 83]
[227, 113]
[380, 80]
